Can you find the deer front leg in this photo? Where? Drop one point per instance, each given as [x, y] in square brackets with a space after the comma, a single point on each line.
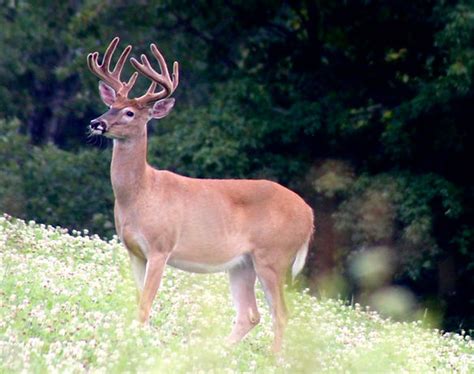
[138, 265]
[154, 270]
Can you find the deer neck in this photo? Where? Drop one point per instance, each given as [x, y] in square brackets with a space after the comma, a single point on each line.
[129, 168]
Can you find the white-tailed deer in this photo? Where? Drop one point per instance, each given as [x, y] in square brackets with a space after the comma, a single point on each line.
[250, 228]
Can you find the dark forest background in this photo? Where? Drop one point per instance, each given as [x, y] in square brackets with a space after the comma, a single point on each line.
[363, 107]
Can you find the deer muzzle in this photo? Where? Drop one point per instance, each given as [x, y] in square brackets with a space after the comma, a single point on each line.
[98, 126]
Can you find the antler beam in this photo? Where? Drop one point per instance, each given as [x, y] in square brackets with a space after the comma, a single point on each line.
[112, 78]
[164, 80]
[122, 89]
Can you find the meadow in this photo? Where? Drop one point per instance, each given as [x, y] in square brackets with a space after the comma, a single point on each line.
[68, 304]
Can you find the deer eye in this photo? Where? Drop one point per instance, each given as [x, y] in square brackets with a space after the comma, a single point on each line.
[130, 113]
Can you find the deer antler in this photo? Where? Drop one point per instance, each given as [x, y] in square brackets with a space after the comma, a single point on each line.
[112, 78]
[169, 84]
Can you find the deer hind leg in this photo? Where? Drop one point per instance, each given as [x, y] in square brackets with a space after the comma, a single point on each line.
[272, 281]
[242, 286]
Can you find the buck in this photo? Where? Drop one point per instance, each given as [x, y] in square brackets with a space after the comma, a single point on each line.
[249, 228]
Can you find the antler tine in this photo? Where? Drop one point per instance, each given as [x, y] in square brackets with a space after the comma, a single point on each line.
[112, 78]
[163, 79]
[108, 54]
[161, 60]
[92, 62]
[152, 88]
[175, 75]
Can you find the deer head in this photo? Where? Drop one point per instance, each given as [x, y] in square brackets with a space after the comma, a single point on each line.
[127, 118]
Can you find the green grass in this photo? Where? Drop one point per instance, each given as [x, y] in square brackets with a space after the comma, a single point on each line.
[68, 304]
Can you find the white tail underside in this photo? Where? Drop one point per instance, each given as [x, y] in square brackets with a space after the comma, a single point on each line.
[300, 259]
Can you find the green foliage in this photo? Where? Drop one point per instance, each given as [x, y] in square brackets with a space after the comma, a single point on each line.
[13, 153]
[72, 309]
[69, 189]
[398, 210]
[51, 185]
[220, 139]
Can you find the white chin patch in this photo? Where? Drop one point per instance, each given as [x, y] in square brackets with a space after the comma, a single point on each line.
[99, 130]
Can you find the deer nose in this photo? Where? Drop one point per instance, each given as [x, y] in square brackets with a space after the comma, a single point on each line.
[98, 125]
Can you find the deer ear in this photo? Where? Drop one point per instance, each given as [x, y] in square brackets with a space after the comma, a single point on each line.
[162, 108]
[107, 94]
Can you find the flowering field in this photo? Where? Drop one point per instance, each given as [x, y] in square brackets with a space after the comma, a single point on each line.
[68, 304]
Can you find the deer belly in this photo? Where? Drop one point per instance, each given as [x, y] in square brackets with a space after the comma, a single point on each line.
[209, 255]
[202, 267]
